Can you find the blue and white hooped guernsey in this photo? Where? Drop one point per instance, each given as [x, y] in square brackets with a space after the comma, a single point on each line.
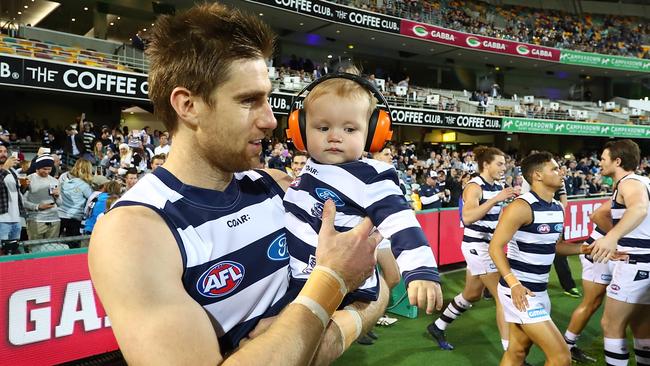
[233, 245]
[481, 231]
[359, 188]
[637, 241]
[532, 249]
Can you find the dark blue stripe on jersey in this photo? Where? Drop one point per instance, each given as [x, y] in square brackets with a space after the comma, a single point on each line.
[168, 220]
[422, 273]
[534, 228]
[615, 221]
[640, 258]
[308, 219]
[408, 238]
[481, 229]
[229, 341]
[367, 173]
[634, 243]
[536, 248]
[469, 239]
[530, 268]
[271, 182]
[490, 217]
[532, 286]
[385, 207]
[248, 257]
[299, 249]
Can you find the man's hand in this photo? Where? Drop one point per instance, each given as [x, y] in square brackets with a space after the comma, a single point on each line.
[10, 163]
[351, 254]
[518, 293]
[425, 294]
[45, 206]
[603, 250]
[505, 194]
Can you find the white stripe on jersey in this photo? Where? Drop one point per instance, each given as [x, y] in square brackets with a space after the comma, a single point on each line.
[397, 222]
[642, 231]
[415, 258]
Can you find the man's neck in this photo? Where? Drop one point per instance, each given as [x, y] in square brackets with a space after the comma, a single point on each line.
[544, 192]
[196, 171]
[619, 174]
[487, 178]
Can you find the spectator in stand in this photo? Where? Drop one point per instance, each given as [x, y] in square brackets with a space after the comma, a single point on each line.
[97, 203]
[88, 136]
[41, 200]
[75, 191]
[130, 178]
[98, 152]
[276, 160]
[297, 163]
[157, 161]
[74, 144]
[126, 158]
[164, 146]
[106, 137]
[404, 82]
[11, 201]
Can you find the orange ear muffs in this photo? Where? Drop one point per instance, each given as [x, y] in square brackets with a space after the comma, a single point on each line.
[379, 130]
[296, 130]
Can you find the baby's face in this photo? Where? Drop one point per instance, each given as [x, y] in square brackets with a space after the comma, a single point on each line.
[336, 128]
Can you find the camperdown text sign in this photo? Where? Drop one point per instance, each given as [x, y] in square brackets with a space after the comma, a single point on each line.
[541, 126]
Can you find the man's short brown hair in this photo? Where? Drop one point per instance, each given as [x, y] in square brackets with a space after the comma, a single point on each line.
[195, 49]
[626, 150]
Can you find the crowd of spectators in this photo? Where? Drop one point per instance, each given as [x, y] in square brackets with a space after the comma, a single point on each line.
[67, 186]
[607, 34]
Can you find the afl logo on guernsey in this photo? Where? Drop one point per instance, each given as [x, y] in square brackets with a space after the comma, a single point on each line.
[278, 248]
[326, 194]
[559, 228]
[221, 279]
[543, 229]
[295, 183]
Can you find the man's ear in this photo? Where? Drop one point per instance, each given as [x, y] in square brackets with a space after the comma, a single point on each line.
[186, 106]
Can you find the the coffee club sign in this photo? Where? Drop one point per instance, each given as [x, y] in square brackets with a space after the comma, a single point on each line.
[281, 103]
[549, 127]
[605, 61]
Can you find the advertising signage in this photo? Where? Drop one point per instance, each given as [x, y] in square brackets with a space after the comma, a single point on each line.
[541, 126]
[470, 41]
[337, 13]
[281, 102]
[66, 77]
[605, 61]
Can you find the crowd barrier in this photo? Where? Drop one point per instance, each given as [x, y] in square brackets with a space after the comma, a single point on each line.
[50, 313]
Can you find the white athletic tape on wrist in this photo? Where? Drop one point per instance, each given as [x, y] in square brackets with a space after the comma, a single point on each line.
[315, 308]
[344, 288]
[350, 325]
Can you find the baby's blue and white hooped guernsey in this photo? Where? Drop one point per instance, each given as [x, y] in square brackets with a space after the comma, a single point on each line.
[481, 231]
[232, 243]
[532, 249]
[362, 188]
[637, 241]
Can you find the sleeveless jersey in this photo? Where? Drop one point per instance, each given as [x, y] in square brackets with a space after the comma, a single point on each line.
[232, 243]
[532, 249]
[637, 241]
[481, 231]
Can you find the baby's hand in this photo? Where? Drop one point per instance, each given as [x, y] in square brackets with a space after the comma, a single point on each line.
[425, 294]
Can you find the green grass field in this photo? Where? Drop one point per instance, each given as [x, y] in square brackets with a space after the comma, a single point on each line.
[474, 335]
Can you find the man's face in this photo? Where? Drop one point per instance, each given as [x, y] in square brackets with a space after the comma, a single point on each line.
[497, 167]
[607, 165]
[229, 135]
[155, 163]
[163, 140]
[4, 154]
[385, 155]
[336, 135]
[131, 180]
[44, 172]
[551, 175]
[297, 164]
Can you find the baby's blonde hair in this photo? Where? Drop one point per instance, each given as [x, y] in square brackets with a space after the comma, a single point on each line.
[343, 88]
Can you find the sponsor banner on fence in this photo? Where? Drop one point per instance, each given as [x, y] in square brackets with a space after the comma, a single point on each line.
[470, 41]
[452, 227]
[281, 102]
[605, 61]
[431, 227]
[337, 13]
[577, 225]
[66, 77]
[543, 126]
[49, 312]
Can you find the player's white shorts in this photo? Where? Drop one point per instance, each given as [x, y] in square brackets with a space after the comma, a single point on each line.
[600, 273]
[630, 283]
[478, 258]
[538, 310]
[384, 244]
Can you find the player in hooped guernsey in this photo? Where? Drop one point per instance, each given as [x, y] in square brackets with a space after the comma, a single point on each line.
[628, 294]
[483, 197]
[531, 226]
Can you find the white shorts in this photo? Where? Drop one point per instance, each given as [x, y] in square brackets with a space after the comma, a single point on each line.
[538, 310]
[600, 273]
[630, 283]
[478, 258]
